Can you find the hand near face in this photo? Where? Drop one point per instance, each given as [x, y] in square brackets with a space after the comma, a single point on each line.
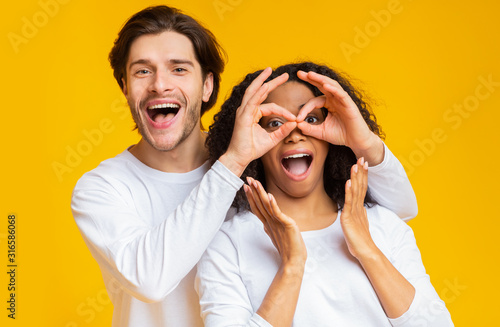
[353, 218]
[344, 124]
[282, 230]
[249, 140]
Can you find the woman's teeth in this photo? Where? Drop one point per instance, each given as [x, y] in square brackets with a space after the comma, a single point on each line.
[297, 164]
[298, 155]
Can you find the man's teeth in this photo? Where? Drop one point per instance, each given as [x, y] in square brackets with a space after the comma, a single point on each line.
[298, 155]
[165, 105]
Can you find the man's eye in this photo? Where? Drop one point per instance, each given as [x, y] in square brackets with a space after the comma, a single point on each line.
[180, 70]
[142, 72]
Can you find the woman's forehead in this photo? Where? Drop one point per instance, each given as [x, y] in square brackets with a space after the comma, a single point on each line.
[291, 95]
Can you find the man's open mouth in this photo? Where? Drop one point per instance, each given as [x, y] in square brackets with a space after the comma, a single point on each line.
[163, 112]
[297, 164]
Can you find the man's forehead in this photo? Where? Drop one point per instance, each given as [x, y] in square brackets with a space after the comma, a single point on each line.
[165, 46]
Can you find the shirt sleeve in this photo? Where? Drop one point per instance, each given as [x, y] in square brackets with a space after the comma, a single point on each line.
[150, 262]
[223, 296]
[426, 309]
[390, 187]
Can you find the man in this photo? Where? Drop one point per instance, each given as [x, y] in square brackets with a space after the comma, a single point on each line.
[148, 214]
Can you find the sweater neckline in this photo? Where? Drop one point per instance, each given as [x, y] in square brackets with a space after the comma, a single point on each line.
[323, 231]
[190, 176]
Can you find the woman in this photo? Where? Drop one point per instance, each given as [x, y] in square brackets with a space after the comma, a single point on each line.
[326, 256]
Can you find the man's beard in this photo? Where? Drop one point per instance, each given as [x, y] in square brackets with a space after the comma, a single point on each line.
[190, 122]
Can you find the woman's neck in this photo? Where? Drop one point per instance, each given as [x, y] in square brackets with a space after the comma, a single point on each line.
[312, 212]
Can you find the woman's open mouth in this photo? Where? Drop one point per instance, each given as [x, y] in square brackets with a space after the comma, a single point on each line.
[297, 165]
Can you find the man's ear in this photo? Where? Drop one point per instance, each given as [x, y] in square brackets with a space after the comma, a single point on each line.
[124, 88]
[208, 87]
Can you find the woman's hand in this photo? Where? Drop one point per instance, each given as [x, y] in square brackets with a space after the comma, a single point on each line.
[344, 124]
[282, 230]
[393, 289]
[249, 140]
[278, 306]
[353, 218]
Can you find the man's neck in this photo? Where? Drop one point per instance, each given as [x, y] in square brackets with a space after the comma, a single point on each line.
[186, 157]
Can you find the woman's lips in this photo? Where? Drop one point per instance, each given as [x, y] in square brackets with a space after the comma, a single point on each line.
[297, 164]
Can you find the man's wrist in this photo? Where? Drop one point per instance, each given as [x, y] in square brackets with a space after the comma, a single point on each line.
[230, 163]
[374, 154]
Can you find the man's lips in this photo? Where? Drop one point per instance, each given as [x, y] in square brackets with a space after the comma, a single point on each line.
[165, 101]
[161, 113]
[164, 106]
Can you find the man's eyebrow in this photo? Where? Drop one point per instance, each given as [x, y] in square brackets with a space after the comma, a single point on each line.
[139, 62]
[171, 61]
[181, 61]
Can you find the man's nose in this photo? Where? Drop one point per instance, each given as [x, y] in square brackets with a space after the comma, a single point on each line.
[161, 83]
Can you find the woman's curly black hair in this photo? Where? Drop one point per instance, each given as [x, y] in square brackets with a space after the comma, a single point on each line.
[339, 160]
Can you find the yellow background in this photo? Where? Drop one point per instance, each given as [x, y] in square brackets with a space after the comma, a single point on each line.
[421, 63]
